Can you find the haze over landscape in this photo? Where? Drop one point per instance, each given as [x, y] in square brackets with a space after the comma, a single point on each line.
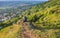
[23, 0]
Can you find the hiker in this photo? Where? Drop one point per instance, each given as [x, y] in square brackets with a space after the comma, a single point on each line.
[24, 19]
[31, 24]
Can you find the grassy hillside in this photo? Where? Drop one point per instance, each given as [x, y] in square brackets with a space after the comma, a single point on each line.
[46, 19]
[11, 31]
[46, 14]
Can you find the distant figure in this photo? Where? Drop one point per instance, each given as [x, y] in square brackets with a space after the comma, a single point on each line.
[31, 25]
[24, 19]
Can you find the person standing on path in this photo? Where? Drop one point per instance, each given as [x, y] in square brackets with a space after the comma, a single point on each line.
[24, 19]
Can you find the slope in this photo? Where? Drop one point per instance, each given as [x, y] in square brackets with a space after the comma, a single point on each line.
[46, 19]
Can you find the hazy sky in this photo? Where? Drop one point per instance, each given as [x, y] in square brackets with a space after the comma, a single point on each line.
[23, 0]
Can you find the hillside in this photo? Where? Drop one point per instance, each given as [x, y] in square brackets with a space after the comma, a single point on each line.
[43, 21]
[46, 18]
[46, 14]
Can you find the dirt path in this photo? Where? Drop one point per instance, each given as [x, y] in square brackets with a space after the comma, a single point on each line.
[26, 32]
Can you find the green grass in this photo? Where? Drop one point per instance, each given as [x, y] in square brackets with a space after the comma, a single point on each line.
[10, 31]
[51, 33]
[46, 18]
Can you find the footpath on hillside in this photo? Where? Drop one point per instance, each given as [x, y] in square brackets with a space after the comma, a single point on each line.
[26, 31]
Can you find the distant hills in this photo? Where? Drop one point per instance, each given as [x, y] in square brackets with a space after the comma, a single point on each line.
[9, 4]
